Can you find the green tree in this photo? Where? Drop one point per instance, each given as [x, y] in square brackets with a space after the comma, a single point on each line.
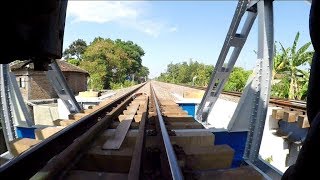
[280, 88]
[109, 56]
[75, 62]
[303, 82]
[280, 63]
[203, 74]
[237, 79]
[186, 72]
[119, 58]
[143, 73]
[97, 73]
[75, 49]
[295, 59]
[198, 74]
[134, 53]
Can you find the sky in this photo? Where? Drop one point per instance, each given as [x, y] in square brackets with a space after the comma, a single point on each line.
[177, 31]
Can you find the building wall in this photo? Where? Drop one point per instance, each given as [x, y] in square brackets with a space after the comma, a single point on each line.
[22, 78]
[76, 81]
[35, 84]
[40, 87]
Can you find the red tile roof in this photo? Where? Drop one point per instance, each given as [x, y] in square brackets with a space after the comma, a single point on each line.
[64, 66]
[67, 67]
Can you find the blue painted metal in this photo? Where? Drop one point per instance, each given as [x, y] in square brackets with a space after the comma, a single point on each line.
[25, 132]
[189, 107]
[293, 132]
[236, 140]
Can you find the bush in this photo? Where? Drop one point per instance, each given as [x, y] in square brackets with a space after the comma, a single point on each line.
[237, 79]
[281, 89]
[125, 84]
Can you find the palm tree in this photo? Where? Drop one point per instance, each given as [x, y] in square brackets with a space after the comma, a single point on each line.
[291, 60]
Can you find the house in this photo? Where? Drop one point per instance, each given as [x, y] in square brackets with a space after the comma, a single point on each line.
[35, 84]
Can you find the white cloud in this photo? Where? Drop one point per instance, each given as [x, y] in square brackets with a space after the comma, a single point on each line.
[173, 29]
[127, 13]
[149, 27]
[101, 11]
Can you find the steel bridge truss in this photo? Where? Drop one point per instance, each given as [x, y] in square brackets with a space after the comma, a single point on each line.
[14, 111]
[251, 111]
[253, 102]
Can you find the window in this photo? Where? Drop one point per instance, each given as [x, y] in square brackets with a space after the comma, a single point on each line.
[22, 83]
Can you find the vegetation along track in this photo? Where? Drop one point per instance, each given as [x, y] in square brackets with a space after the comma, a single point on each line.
[145, 136]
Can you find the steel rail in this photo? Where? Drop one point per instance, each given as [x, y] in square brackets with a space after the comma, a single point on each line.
[31, 161]
[135, 166]
[173, 163]
[58, 166]
[295, 104]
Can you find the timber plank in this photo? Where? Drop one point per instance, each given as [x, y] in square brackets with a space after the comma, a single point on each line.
[184, 125]
[240, 173]
[63, 122]
[77, 116]
[20, 145]
[44, 133]
[179, 119]
[134, 125]
[277, 114]
[212, 157]
[303, 121]
[93, 175]
[115, 141]
[291, 116]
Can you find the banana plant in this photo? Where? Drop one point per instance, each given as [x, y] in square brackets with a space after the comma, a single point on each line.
[294, 60]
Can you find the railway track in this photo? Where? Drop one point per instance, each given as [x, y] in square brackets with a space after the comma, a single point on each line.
[289, 118]
[288, 104]
[140, 135]
[30, 161]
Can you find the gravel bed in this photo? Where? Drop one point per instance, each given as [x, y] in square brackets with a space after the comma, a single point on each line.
[161, 91]
[229, 98]
[166, 90]
[145, 89]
